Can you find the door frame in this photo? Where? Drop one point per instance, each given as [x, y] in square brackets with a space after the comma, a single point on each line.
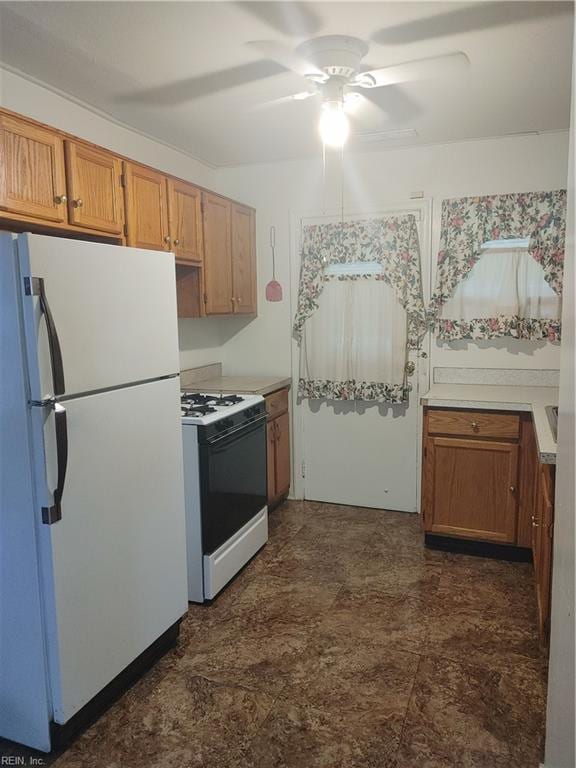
[420, 207]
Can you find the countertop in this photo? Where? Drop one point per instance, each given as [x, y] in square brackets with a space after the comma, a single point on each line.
[249, 385]
[503, 398]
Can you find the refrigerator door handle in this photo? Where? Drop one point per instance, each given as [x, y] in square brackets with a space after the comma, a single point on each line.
[34, 286]
[54, 513]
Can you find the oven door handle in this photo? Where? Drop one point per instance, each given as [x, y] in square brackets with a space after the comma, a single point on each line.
[240, 431]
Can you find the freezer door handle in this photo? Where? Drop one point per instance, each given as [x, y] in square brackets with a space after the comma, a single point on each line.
[34, 286]
[54, 513]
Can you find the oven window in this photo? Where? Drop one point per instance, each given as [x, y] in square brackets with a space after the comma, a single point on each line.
[233, 484]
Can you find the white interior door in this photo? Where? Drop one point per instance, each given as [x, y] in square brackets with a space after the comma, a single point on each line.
[114, 566]
[367, 454]
[114, 311]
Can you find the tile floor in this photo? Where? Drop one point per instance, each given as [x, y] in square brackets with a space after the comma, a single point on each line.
[344, 644]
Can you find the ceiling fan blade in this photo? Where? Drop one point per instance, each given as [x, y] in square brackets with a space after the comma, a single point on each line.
[281, 54]
[421, 69]
[293, 19]
[302, 96]
[479, 16]
[395, 102]
[192, 88]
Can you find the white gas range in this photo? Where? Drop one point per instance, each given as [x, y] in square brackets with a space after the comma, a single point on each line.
[224, 440]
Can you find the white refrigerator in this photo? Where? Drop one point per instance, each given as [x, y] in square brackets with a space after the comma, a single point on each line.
[92, 526]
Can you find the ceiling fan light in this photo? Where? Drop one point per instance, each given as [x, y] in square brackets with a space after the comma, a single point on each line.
[334, 127]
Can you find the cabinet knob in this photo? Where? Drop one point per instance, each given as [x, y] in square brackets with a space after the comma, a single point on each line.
[167, 239]
[512, 489]
[59, 199]
[239, 299]
[176, 242]
[78, 203]
[475, 426]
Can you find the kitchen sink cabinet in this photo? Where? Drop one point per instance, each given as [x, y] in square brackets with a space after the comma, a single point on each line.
[542, 541]
[32, 171]
[94, 185]
[278, 446]
[146, 208]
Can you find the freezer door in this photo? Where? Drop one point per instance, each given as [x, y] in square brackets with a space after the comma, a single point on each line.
[114, 566]
[108, 312]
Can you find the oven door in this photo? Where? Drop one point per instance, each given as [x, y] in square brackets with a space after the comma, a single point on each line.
[232, 482]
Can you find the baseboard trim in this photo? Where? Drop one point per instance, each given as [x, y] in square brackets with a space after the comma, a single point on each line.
[478, 548]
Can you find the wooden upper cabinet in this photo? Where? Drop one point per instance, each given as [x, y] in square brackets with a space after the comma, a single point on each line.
[185, 217]
[470, 489]
[146, 208]
[32, 178]
[217, 215]
[243, 259]
[95, 197]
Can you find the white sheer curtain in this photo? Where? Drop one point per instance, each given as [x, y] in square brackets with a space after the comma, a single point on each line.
[505, 293]
[354, 345]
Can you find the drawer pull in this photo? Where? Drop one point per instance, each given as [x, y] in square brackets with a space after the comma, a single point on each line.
[535, 524]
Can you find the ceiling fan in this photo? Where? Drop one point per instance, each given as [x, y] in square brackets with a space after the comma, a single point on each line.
[332, 67]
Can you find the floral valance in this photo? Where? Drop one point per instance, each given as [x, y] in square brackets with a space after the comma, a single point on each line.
[392, 242]
[469, 222]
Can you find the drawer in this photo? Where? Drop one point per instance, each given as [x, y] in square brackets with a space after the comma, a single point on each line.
[277, 403]
[473, 424]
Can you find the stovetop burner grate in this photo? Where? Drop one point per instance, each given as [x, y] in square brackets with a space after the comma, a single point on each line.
[196, 399]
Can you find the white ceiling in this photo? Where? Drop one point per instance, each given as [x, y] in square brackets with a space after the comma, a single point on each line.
[155, 66]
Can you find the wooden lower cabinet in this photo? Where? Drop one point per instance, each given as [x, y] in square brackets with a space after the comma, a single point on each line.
[477, 475]
[278, 446]
[470, 488]
[542, 542]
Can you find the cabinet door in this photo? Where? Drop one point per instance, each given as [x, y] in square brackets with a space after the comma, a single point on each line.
[32, 179]
[217, 255]
[95, 198]
[282, 454]
[146, 208]
[469, 489]
[185, 217]
[243, 260]
[542, 538]
[271, 459]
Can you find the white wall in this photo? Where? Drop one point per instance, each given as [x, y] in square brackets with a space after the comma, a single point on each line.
[373, 179]
[199, 340]
[560, 746]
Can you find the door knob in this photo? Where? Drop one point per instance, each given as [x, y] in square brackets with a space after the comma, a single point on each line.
[59, 199]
